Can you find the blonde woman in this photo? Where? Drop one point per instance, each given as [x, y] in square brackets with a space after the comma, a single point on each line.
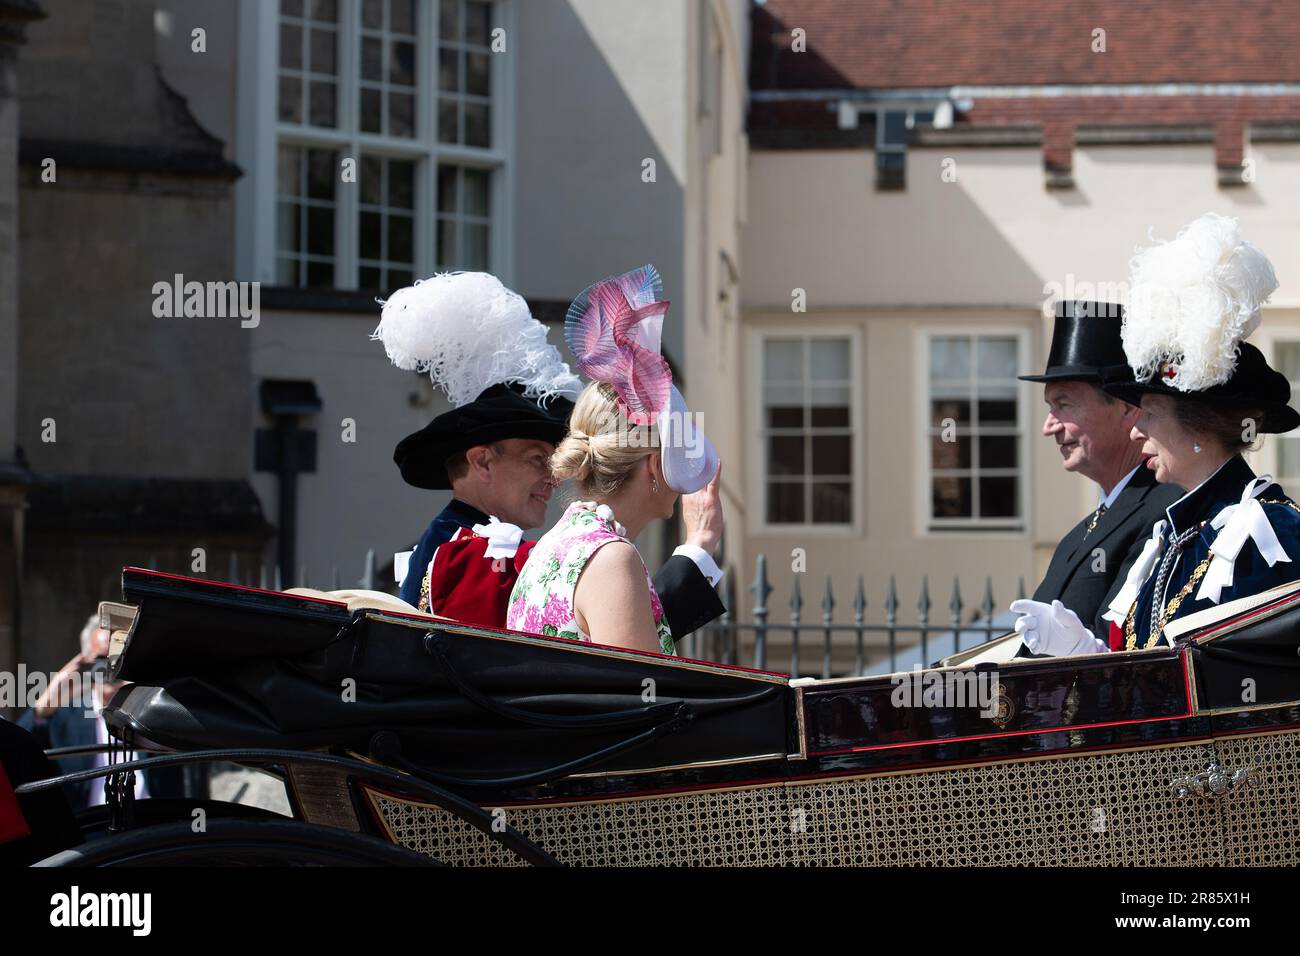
[632, 448]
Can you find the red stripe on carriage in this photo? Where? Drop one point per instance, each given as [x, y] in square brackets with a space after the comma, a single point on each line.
[13, 825]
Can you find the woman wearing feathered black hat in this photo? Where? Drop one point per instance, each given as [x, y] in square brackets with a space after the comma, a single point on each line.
[1205, 395]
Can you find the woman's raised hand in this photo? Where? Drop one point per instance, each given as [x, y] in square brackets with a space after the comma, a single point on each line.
[702, 515]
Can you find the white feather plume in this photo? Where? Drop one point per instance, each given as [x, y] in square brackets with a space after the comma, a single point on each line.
[1192, 301]
[469, 332]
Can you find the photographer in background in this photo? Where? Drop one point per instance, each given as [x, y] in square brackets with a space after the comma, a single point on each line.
[60, 720]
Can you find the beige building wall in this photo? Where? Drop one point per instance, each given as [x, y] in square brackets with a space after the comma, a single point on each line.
[987, 250]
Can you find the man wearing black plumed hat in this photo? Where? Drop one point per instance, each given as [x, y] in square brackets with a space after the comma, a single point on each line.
[1092, 431]
[511, 393]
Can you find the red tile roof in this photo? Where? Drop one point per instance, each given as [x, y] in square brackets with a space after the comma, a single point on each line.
[939, 43]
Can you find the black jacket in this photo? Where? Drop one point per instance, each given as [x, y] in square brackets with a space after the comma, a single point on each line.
[1084, 578]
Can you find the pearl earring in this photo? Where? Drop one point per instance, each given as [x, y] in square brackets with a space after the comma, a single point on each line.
[654, 485]
[1196, 447]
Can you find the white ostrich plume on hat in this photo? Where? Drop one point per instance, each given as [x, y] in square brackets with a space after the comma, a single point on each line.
[469, 332]
[1192, 301]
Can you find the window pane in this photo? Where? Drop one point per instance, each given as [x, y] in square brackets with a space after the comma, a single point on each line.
[950, 358]
[998, 412]
[401, 239]
[832, 503]
[289, 171]
[320, 230]
[370, 279]
[320, 174]
[998, 451]
[783, 360]
[785, 502]
[324, 44]
[957, 411]
[401, 116]
[477, 119]
[372, 111]
[996, 357]
[291, 8]
[827, 416]
[447, 115]
[325, 10]
[945, 455]
[447, 188]
[448, 70]
[832, 455]
[478, 23]
[290, 46]
[829, 359]
[474, 254]
[372, 14]
[322, 104]
[290, 99]
[403, 13]
[288, 235]
[372, 58]
[785, 416]
[477, 74]
[447, 252]
[371, 240]
[448, 20]
[401, 184]
[951, 498]
[832, 395]
[476, 192]
[372, 180]
[785, 455]
[397, 278]
[286, 271]
[401, 64]
[998, 497]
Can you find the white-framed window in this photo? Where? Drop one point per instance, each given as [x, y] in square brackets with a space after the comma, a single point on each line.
[807, 415]
[382, 143]
[975, 429]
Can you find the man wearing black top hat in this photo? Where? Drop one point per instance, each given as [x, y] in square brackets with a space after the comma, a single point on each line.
[511, 394]
[1092, 431]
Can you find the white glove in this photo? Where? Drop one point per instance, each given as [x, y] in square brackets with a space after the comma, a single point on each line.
[1054, 629]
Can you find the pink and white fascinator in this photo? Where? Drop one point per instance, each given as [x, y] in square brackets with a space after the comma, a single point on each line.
[614, 329]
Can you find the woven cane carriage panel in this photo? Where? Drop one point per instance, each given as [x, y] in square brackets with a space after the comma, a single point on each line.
[1096, 810]
[705, 828]
[1260, 824]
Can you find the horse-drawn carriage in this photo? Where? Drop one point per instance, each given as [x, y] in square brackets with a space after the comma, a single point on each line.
[405, 739]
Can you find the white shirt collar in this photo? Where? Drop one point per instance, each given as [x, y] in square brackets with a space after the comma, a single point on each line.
[1109, 499]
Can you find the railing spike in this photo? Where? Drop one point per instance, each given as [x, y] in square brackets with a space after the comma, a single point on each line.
[232, 571]
[334, 578]
[1020, 591]
[368, 574]
[859, 617]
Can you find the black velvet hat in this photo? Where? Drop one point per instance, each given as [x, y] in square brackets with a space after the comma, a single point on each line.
[1086, 344]
[1253, 385]
[499, 412]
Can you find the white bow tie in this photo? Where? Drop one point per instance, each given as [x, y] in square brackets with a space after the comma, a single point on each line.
[503, 538]
[1238, 523]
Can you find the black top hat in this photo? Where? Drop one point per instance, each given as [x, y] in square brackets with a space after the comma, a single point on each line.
[1254, 386]
[1086, 344]
[500, 412]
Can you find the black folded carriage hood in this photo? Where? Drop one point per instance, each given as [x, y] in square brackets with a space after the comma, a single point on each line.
[217, 666]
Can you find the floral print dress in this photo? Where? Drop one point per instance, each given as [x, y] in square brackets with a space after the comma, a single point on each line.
[542, 599]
